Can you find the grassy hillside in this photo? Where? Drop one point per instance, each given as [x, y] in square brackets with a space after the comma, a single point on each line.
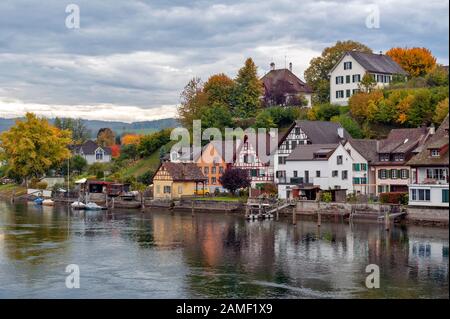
[144, 165]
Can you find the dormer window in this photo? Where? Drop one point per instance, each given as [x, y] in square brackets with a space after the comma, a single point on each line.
[434, 152]
[384, 157]
[399, 157]
[99, 154]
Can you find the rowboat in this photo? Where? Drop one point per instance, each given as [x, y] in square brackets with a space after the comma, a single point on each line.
[78, 205]
[47, 202]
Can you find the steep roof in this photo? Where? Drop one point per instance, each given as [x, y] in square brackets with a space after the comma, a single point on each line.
[289, 81]
[306, 152]
[184, 171]
[322, 132]
[377, 63]
[89, 147]
[367, 148]
[403, 140]
[438, 141]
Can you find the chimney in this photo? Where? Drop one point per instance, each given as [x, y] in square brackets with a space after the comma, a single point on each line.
[290, 66]
[340, 132]
[272, 66]
[431, 129]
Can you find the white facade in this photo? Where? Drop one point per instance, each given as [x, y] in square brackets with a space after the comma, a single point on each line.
[429, 187]
[99, 156]
[363, 176]
[345, 78]
[326, 174]
[294, 138]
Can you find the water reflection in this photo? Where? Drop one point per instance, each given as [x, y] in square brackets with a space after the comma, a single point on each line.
[162, 255]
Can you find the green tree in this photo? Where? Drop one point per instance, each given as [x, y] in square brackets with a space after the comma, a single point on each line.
[438, 76]
[264, 120]
[152, 142]
[316, 75]
[218, 116]
[80, 132]
[367, 83]
[422, 110]
[349, 124]
[247, 91]
[32, 146]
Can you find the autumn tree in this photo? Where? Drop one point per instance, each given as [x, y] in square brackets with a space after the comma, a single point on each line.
[247, 91]
[234, 179]
[131, 139]
[219, 88]
[218, 116]
[32, 146]
[441, 111]
[105, 137]
[415, 61]
[359, 104]
[193, 102]
[316, 75]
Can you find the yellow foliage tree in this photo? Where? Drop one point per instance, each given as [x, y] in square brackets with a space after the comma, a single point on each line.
[131, 139]
[415, 61]
[32, 146]
[441, 111]
[404, 108]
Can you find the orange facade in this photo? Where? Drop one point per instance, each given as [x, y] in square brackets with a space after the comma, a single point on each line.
[212, 166]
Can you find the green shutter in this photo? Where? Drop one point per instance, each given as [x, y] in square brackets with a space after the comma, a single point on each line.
[445, 195]
[379, 173]
[399, 173]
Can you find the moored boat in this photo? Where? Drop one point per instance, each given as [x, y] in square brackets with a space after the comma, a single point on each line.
[38, 201]
[93, 206]
[78, 205]
[47, 202]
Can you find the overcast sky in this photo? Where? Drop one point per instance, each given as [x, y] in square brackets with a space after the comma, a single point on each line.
[130, 59]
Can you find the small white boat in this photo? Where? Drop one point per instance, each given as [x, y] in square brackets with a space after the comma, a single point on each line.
[78, 205]
[93, 206]
[47, 202]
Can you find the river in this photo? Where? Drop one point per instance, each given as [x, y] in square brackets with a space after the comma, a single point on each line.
[158, 254]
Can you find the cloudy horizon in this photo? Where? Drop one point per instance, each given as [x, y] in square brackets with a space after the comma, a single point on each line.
[129, 60]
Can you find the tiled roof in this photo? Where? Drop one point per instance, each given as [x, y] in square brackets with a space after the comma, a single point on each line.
[184, 171]
[367, 148]
[306, 152]
[378, 63]
[402, 140]
[322, 132]
[285, 80]
[89, 147]
[437, 141]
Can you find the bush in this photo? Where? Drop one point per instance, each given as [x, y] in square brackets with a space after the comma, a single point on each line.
[326, 197]
[394, 198]
[146, 178]
[41, 185]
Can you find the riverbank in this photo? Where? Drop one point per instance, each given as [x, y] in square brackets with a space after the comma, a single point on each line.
[8, 191]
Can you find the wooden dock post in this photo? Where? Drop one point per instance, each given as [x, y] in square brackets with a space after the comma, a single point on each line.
[294, 216]
[112, 204]
[278, 209]
[192, 210]
[386, 220]
[319, 219]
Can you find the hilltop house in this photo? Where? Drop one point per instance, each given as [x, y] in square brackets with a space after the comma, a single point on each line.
[429, 171]
[364, 154]
[92, 152]
[314, 167]
[214, 159]
[302, 133]
[391, 169]
[283, 87]
[348, 72]
[174, 180]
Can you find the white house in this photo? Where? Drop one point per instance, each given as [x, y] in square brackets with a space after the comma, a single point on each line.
[317, 166]
[92, 152]
[364, 154]
[429, 171]
[346, 75]
[303, 133]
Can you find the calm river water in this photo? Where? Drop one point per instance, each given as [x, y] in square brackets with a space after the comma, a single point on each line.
[169, 255]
